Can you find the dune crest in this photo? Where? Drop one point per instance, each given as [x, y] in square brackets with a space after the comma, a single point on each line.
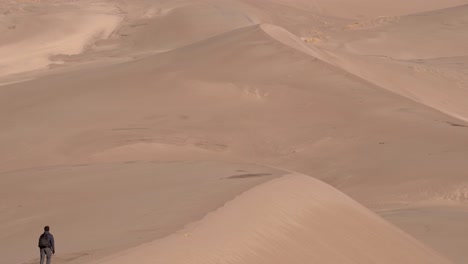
[292, 219]
[443, 90]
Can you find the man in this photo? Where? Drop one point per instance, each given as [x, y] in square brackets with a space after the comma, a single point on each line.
[46, 245]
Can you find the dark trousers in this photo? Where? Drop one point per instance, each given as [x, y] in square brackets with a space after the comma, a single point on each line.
[46, 252]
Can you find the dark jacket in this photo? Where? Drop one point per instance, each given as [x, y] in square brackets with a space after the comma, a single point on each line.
[51, 240]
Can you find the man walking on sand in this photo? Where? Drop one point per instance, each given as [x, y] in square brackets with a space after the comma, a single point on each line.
[46, 245]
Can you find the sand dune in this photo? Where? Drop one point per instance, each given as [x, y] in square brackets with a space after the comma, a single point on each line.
[33, 38]
[449, 221]
[114, 108]
[391, 57]
[178, 123]
[396, 40]
[140, 201]
[367, 8]
[294, 219]
[416, 77]
[168, 25]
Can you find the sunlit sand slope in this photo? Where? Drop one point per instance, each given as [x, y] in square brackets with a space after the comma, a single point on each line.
[293, 219]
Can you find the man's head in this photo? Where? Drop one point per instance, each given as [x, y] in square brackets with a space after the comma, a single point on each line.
[46, 228]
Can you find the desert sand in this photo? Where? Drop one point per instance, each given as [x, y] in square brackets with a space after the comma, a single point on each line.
[234, 131]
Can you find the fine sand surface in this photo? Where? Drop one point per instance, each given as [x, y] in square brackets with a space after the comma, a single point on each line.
[33, 34]
[446, 221]
[160, 130]
[294, 219]
[95, 210]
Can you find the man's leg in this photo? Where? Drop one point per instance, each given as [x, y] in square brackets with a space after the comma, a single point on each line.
[41, 250]
[49, 254]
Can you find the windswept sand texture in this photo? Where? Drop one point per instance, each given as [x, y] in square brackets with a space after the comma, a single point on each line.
[293, 219]
[34, 33]
[162, 131]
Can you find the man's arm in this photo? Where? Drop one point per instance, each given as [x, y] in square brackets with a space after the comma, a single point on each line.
[52, 243]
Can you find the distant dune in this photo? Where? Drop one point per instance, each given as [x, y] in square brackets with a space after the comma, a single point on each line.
[172, 123]
[33, 36]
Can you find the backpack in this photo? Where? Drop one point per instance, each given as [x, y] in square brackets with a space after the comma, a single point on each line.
[44, 241]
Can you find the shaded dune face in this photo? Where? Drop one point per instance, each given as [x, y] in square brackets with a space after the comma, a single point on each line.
[140, 201]
[110, 110]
